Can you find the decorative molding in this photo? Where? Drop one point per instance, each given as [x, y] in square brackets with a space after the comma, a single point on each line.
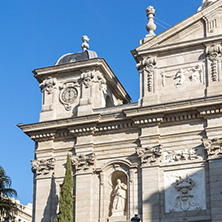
[48, 85]
[149, 120]
[41, 137]
[213, 52]
[210, 111]
[43, 167]
[184, 199]
[180, 117]
[182, 155]
[68, 94]
[149, 155]
[213, 147]
[83, 162]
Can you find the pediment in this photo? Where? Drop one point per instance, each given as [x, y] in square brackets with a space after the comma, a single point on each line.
[205, 23]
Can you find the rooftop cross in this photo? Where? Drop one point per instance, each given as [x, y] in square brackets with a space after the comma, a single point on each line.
[85, 45]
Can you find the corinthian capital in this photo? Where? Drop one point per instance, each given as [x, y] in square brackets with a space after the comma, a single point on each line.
[149, 155]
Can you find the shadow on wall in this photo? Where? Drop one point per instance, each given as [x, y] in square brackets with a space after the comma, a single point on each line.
[183, 197]
[52, 203]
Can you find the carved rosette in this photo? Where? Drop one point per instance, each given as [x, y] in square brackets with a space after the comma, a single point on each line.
[43, 167]
[213, 147]
[83, 162]
[213, 52]
[48, 85]
[68, 94]
[150, 155]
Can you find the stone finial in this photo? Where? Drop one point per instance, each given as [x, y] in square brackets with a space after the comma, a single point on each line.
[150, 27]
[85, 45]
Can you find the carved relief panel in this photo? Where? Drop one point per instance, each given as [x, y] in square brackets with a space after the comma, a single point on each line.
[183, 76]
[191, 154]
[185, 190]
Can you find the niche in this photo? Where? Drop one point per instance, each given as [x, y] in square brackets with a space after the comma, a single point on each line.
[119, 194]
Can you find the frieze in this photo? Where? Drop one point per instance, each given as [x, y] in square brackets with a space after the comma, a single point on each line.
[149, 155]
[213, 147]
[44, 166]
[83, 162]
[48, 85]
[182, 155]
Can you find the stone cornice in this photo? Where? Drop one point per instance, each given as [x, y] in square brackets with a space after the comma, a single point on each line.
[176, 46]
[126, 119]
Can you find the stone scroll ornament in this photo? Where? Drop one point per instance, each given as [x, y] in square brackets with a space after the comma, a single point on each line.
[184, 199]
[213, 147]
[68, 94]
[83, 162]
[149, 155]
[148, 65]
[43, 167]
[48, 85]
[213, 52]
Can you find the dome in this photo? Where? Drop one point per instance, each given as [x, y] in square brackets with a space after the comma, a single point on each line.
[76, 57]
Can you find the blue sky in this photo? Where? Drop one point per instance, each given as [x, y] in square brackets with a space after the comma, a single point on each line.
[35, 33]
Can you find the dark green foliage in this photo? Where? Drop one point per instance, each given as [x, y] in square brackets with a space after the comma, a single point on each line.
[7, 206]
[66, 199]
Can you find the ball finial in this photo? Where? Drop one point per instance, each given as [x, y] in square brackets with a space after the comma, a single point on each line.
[85, 45]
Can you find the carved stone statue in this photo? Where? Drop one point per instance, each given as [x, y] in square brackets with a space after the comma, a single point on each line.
[206, 3]
[119, 200]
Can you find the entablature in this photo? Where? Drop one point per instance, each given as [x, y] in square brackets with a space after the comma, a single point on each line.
[174, 113]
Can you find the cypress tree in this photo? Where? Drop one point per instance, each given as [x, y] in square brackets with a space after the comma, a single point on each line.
[66, 199]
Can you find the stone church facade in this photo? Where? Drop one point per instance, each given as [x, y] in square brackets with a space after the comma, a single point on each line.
[159, 158]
